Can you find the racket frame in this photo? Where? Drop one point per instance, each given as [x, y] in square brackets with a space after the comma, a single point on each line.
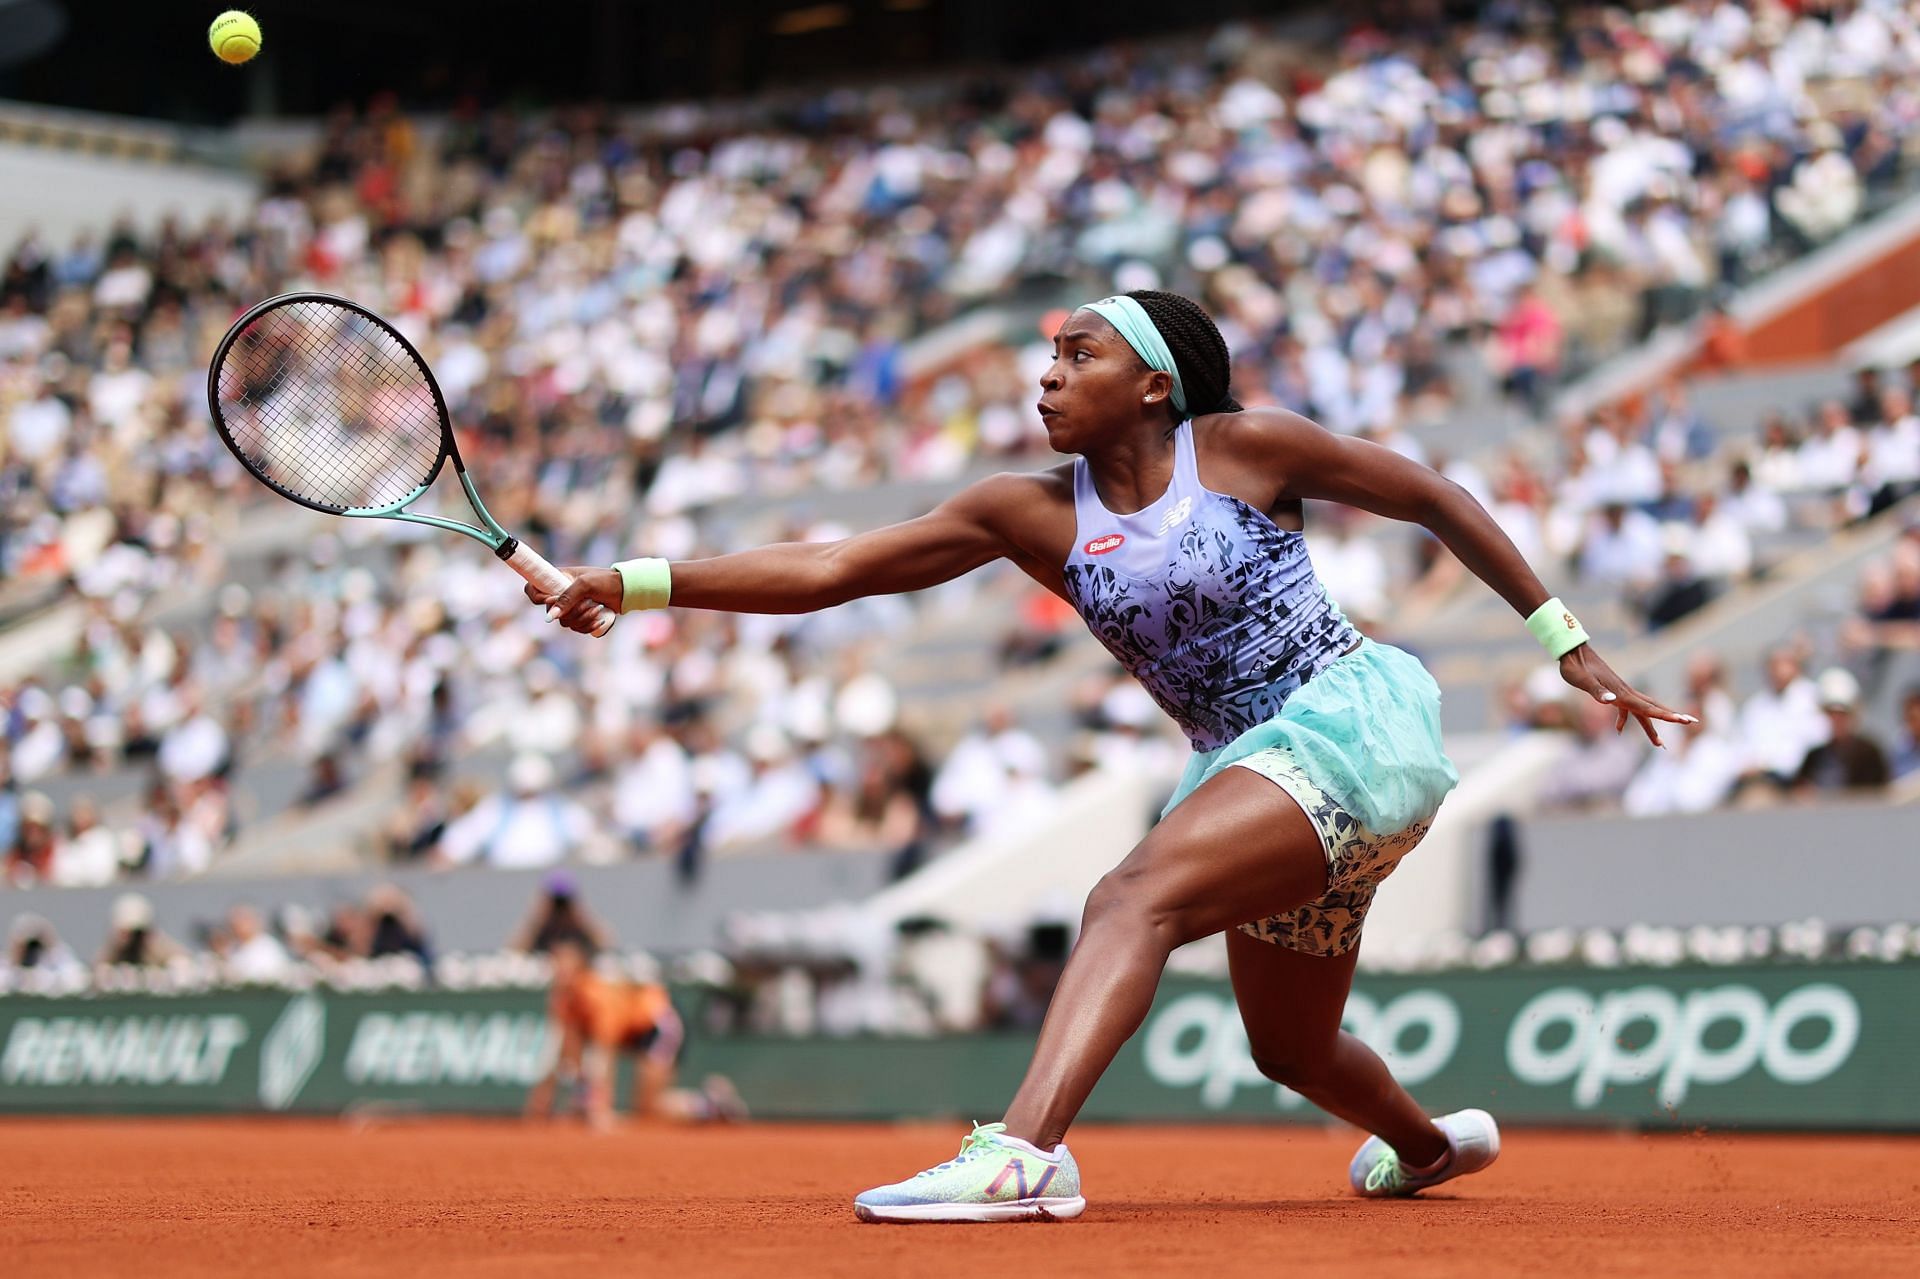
[523, 559]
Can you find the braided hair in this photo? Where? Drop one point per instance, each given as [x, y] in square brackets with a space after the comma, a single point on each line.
[1199, 352]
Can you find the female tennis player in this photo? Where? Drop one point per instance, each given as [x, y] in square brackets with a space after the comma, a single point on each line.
[1317, 765]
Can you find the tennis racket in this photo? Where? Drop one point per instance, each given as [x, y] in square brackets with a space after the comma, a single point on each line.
[329, 406]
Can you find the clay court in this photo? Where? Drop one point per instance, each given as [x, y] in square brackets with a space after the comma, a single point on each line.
[190, 1197]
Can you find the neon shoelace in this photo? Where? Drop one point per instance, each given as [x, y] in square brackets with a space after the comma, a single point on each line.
[1386, 1173]
[979, 1141]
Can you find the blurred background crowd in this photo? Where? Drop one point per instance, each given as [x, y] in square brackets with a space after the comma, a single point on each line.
[677, 332]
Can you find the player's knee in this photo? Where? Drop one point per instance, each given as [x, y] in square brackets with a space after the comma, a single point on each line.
[1135, 898]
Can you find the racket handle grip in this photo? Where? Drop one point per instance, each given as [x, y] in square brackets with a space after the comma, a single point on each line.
[533, 566]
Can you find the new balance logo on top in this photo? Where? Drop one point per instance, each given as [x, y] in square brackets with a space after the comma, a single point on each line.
[1017, 1170]
[1178, 515]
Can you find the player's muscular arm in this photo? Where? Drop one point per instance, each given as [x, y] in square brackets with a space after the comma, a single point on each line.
[991, 519]
[1313, 462]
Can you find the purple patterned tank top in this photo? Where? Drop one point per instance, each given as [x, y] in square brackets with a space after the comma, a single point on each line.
[1210, 605]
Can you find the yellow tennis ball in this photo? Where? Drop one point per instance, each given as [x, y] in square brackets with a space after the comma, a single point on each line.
[235, 37]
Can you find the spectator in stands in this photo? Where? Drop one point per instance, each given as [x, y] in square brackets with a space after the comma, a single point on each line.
[1848, 760]
[1829, 458]
[1756, 508]
[1864, 408]
[1707, 689]
[34, 948]
[559, 917]
[875, 810]
[1782, 723]
[324, 781]
[1717, 543]
[1352, 569]
[9, 806]
[1697, 771]
[1599, 766]
[1887, 616]
[413, 832]
[1906, 756]
[133, 940]
[655, 799]
[89, 854]
[530, 825]
[780, 790]
[1621, 548]
[1891, 471]
[30, 860]
[253, 955]
[1680, 590]
[347, 932]
[394, 926]
[1528, 344]
[979, 771]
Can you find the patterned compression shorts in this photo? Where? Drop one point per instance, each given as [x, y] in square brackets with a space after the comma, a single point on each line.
[1357, 860]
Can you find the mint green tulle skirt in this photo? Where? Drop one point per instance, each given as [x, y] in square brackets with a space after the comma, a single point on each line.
[1363, 735]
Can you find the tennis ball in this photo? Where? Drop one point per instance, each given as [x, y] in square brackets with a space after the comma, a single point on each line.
[235, 37]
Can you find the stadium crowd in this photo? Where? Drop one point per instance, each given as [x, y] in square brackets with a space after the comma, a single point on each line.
[1799, 732]
[640, 322]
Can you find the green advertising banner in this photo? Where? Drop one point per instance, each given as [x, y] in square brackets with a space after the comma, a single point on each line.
[1764, 1045]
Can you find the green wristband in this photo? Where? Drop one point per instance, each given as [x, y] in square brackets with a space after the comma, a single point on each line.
[644, 583]
[1557, 629]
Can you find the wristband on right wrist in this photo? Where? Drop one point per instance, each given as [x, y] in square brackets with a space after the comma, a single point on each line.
[1557, 629]
[644, 583]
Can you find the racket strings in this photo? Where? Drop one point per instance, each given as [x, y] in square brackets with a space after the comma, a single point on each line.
[327, 405]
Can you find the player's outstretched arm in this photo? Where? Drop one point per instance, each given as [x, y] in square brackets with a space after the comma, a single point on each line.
[1320, 464]
[961, 534]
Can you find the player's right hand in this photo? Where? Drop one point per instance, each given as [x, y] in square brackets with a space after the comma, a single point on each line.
[574, 607]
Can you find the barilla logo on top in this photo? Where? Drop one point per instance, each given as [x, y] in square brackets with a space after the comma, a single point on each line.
[1104, 543]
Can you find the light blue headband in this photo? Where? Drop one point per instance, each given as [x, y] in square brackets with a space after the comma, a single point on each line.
[1131, 321]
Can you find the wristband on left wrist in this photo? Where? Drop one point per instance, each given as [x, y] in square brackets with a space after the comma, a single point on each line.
[1557, 629]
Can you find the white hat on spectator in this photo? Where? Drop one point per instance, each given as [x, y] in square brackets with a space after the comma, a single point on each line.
[866, 706]
[37, 807]
[1838, 689]
[131, 911]
[530, 774]
[766, 744]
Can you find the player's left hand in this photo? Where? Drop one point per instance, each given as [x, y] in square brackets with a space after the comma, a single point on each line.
[574, 608]
[1584, 669]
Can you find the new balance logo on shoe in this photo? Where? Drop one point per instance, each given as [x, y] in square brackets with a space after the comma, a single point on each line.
[1017, 1170]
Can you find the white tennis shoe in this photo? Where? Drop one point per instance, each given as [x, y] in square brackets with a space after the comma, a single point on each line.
[993, 1178]
[1473, 1142]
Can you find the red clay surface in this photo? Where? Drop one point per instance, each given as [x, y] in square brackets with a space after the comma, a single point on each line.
[156, 1198]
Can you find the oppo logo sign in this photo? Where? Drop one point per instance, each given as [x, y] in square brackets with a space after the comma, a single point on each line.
[1198, 1039]
[1704, 1037]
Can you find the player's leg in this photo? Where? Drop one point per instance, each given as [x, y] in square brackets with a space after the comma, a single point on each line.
[565, 1068]
[597, 1061]
[1237, 849]
[1292, 1003]
[655, 1069]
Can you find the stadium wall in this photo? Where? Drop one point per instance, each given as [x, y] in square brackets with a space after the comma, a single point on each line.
[1848, 864]
[1781, 1045]
[478, 910]
[62, 192]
